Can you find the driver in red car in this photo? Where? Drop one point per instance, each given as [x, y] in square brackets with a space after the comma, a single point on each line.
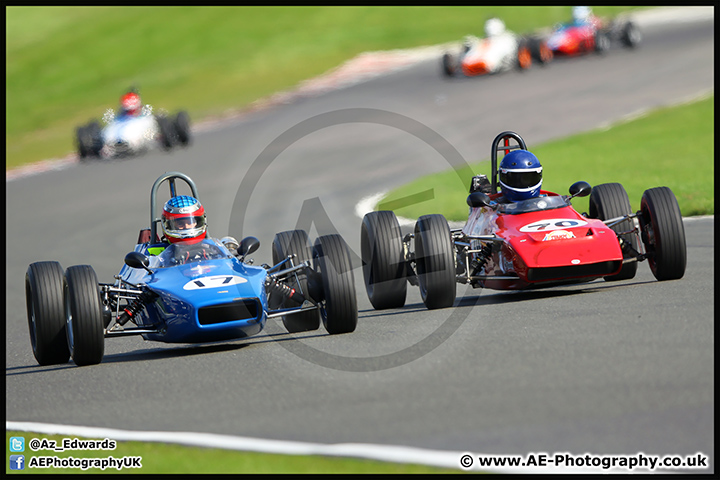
[520, 176]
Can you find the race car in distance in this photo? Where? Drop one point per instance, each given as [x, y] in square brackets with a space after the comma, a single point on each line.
[205, 291]
[500, 50]
[589, 33]
[131, 134]
[538, 242]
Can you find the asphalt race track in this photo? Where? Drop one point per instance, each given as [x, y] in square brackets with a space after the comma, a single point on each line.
[602, 368]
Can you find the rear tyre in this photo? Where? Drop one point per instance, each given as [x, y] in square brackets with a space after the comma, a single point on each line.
[631, 35]
[166, 132]
[84, 316]
[45, 312]
[287, 243]
[610, 200]
[663, 233]
[89, 140]
[602, 42]
[383, 260]
[95, 140]
[81, 142]
[331, 259]
[435, 261]
[182, 127]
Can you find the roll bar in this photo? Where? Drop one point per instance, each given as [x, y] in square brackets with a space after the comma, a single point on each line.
[170, 177]
[496, 147]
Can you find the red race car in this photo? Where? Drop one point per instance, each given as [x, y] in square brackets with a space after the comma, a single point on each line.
[499, 51]
[535, 240]
[589, 33]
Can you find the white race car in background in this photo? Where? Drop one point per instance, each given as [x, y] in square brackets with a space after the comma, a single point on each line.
[132, 135]
[501, 50]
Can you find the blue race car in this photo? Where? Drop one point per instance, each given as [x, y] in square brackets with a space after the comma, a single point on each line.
[190, 293]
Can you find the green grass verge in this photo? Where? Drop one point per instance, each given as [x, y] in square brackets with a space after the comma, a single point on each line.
[671, 147]
[178, 459]
[67, 65]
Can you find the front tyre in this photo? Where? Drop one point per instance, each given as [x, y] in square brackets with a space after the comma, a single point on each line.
[84, 316]
[435, 261]
[610, 200]
[663, 233]
[182, 128]
[45, 312]
[383, 260]
[288, 243]
[631, 35]
[331, 257]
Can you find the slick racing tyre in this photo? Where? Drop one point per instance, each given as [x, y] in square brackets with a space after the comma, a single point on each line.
[602, 42]
[167, 137]
[45, 312]
[449, 66]
[181, 123]
[630, 35]
[540, 52]
[81, 141]
[663, 233]
[287, 243]
[331, 259]
[84, 315]
[610, 200]
[435, 261]
[383, 260]
[89, 140]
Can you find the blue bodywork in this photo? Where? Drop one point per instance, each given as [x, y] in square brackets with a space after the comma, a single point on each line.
[199, 297]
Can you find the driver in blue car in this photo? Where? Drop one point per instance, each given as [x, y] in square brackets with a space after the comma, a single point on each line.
[520, 177]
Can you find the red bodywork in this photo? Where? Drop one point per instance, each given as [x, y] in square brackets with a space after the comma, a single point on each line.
[548, 247]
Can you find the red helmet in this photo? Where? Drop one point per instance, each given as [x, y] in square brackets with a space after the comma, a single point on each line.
[183, 220]
[130, 104]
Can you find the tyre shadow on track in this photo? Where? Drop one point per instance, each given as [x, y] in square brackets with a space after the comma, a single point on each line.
[177, 351]
[274, 335]
[513, 296]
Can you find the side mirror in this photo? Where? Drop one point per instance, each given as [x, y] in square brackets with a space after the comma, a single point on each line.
[580, 189]
[247, 246]
[478, 199]
[137, 260]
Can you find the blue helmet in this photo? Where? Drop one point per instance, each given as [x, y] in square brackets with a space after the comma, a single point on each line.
[520, 175]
